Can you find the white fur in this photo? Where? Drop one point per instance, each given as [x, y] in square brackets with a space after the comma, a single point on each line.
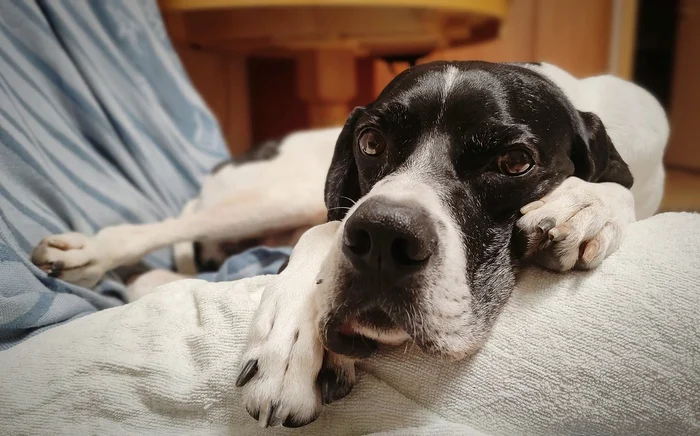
[145, 283]
[637, 126]
[284, 339]
[236, 203]
[597, 212]
[450, 78]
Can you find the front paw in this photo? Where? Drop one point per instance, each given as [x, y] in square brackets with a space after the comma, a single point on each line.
[578, 225]
[285, 374]
[337, 377]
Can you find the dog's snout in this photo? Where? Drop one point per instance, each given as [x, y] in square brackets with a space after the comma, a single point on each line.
[388, 238]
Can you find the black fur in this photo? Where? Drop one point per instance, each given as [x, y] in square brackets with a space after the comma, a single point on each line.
[490, 109]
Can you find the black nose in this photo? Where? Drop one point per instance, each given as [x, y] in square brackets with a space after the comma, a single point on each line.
[393, 240]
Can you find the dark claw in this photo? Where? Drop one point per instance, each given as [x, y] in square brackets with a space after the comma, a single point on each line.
[56, 269]
[291, 422]
[333, 386]
[327, 391]
[253, 414]
[546, 225]
[248, 371]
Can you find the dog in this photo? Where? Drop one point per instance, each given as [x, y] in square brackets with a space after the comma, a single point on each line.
[437, 193]
[420, 210]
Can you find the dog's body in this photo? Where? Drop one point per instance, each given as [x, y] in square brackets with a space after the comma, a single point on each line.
[435, 193]
[429, 193]
[270, 199]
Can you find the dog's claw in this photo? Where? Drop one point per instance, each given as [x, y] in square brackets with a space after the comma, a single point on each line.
[326, 390]
[56, 268]
[546, 225]
[591, 251]
[253, 414]
[558, 234]
[247, 373]
[291, 422]
[333, 387]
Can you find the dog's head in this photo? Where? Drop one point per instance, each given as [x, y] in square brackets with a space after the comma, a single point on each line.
[429, 180]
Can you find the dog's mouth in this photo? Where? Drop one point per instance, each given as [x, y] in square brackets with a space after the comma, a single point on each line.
[360, 335]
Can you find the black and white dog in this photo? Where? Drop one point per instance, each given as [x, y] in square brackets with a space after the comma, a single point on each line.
[436, 193]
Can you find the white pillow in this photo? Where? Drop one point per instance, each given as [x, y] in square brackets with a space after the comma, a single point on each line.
[614, 351]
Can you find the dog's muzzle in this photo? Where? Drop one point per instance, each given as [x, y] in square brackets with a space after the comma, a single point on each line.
[387, 246]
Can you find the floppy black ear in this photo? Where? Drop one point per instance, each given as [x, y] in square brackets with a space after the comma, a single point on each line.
[342, 184]
[595, 157]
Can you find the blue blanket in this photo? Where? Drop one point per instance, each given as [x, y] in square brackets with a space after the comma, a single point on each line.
[99, 125]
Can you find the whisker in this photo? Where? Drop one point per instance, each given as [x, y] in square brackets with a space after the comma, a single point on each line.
[412, 321]
[348, 198]
[422, 327]
[340, 208]
[341, 305]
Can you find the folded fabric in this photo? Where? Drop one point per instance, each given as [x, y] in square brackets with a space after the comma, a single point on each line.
[612, 351]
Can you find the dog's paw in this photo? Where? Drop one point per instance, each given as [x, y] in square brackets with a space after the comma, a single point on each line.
[336, 378]
[285, 373]
[577, 225]
[72, 257]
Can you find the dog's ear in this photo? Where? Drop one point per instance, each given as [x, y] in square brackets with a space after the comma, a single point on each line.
[342, 184]
[595, 157]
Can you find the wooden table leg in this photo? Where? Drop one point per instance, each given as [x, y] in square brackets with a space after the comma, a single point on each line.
[238, 124]
[326, 82]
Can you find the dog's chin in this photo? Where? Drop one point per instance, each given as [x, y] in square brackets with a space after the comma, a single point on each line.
[359, 336]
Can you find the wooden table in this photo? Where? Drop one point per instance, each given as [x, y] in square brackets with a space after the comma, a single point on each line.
[326, 36]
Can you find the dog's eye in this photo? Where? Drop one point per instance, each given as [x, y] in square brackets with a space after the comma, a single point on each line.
[515, 162]
[372, 143]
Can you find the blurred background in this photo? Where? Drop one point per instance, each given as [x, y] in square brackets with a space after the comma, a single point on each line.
[268, 67]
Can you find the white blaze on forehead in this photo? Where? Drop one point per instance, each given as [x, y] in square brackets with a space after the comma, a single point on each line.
[442, 82]
[430, 156]
[415, 181]
[451, 76]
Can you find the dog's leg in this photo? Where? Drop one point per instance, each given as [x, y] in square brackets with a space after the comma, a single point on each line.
[577, 225]
[183, 252]
[285, 374]
[145, 283]
[621, 104]
[84, 260]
